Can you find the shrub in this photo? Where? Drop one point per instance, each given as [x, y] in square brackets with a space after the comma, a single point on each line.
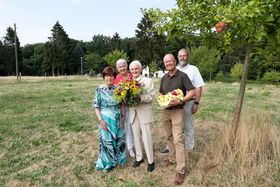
[272, 76]
[236, 71]
[219, 76]
[206, 60]
[223, 77]
[91, 73]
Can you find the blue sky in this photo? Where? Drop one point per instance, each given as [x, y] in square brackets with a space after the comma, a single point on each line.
[81, 19]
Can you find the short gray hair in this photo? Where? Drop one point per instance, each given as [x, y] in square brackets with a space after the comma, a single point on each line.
[183, 50]
[135, 62]
[121, 61]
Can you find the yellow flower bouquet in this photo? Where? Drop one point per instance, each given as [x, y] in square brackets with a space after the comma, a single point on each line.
[164, 100]
[128, 92]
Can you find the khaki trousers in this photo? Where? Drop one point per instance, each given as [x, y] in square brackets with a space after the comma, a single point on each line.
[188, 125]
[145, 130]
[173, 130]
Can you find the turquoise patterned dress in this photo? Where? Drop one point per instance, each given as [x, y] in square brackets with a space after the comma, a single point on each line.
[111, 142]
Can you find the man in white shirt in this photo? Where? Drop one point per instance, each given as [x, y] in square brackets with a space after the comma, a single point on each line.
[190, 107]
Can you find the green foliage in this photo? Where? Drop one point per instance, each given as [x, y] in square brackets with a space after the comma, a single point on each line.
[128, 46]
[9, 39]
[116, 42]
[99, 45]
[271, 58]
[247, 24]
[49, 62]
[219, 76]
[272, 76]
[153, 66]
[150, 46]
[237, 71]
[7, 54]
[7, 59]
[58, 55]
[246, 21]
[206, 60]
[33, 59]
[111, 58]
[94, 62]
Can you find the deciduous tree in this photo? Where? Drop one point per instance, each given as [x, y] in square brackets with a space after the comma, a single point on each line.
[246, 23]
[111, 58]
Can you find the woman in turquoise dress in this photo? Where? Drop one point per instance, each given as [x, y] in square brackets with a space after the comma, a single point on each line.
[111, 119]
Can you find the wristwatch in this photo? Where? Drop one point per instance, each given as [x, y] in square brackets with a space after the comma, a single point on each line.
[196, 102]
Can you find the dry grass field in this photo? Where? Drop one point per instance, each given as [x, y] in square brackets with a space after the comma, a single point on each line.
[49, 137]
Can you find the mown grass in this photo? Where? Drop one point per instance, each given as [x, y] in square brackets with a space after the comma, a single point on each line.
[49, 137]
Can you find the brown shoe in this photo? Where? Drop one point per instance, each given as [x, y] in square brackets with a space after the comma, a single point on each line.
[179, 179]
[168, 163]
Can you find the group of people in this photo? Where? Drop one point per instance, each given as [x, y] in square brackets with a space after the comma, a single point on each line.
[119, 123]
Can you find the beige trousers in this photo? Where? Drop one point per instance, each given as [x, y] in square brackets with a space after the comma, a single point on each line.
[145, 130]
[173, 129]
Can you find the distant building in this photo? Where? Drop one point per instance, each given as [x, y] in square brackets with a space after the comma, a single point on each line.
[146, 71]
[159, 73]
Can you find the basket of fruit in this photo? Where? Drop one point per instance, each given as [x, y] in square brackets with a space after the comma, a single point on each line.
[164, 100]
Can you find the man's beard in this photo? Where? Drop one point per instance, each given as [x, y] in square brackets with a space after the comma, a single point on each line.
[183, 63]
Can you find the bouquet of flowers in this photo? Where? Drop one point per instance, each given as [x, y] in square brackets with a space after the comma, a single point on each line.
[164, 100]
[128, 92]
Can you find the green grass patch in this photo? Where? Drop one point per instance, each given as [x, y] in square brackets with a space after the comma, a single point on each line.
[49, 137]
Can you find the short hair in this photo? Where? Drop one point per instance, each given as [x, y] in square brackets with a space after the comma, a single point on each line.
[135, 62]
[121, 61]
[183, 50]
[109, 70]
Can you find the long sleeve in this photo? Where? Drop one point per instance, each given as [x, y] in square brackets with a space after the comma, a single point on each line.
[149, 92]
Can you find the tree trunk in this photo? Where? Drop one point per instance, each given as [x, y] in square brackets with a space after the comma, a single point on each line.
[236, 116]
[53, 69]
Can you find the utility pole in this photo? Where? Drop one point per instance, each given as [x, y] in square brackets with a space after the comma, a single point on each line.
[81, 65]
[16, 56]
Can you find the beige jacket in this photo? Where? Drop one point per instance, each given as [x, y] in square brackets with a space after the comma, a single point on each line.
[144, 109]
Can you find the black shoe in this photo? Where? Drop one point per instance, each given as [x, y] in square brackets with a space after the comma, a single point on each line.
[151, 167]
[164, 151]
[137, 163]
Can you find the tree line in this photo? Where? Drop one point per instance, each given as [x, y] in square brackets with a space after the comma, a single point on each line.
[62, 55]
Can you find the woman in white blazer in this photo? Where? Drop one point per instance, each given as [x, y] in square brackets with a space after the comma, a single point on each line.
[141, 117]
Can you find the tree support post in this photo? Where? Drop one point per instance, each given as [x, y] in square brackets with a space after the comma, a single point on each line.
[236, 116]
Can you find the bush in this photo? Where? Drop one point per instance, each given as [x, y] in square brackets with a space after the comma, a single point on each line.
[91, 73]
[219, 76]
[236, 71]
[223, 77]
[206, 60]
[272, 76]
